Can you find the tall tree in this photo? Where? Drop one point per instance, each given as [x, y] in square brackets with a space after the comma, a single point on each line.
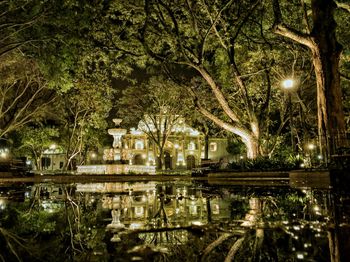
[320, 38]
[198, 35]
[84, 109]
[226, 44]
[158, 106]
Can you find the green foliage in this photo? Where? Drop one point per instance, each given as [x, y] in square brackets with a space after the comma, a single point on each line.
[266, 164]
[25, 96]
[83, 113]
[33, 141]
[103, 40]
[235, 147]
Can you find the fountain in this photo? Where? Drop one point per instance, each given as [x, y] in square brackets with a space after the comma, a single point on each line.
[115, 224]
[116, 157]
[117, 134]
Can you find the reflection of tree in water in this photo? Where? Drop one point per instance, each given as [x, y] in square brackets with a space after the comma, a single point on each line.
[50, 228]
[262, 234]
[259, 227]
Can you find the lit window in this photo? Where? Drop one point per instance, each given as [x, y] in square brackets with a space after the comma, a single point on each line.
[139, 211]
[213, 146]
[139, 144]
[216, 209]
[193, 210]
[180, 157]
[191, 146]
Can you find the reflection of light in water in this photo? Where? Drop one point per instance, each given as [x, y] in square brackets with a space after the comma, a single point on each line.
[197, 223]
[135, 225]
[116, 238]
[296, 227]
[307, 245]
[2, 204]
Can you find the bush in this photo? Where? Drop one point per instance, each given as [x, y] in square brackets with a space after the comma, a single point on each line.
[266, 164]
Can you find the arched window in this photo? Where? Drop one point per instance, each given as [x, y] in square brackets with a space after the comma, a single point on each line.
[139, 144]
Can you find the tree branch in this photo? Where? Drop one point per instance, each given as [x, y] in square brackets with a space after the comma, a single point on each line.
[343, 6]
[280, 28]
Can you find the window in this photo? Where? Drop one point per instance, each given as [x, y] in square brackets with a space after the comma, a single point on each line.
[191, 146]
[180, 157]
[216, 209]
[193, 210]
[139, 211]
[139, 144]
[213, 146]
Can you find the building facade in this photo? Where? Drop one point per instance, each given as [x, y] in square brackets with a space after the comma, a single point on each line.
[184, 148]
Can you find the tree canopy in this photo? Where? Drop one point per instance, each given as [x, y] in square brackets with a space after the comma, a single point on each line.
[229, 56]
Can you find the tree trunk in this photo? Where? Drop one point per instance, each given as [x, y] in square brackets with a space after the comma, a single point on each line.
[161, 164]
[247, 137]
[38, 163]
[326, 55]
[252, 147]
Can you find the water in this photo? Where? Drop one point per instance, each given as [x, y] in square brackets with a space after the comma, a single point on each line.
[172, 221]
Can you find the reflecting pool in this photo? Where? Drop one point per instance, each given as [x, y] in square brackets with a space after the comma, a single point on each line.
[172, 221]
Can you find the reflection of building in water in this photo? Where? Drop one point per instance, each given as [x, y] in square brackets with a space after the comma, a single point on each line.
[51, 196]
[151, 205]
[48, 191]
[115, 187]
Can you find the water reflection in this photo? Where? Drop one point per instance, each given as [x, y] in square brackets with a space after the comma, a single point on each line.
[172, 221]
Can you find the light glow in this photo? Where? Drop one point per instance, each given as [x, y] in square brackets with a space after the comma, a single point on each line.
[288, 83]
[311, 146]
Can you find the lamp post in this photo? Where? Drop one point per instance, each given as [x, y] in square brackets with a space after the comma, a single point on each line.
[288, 85]
[311, 148]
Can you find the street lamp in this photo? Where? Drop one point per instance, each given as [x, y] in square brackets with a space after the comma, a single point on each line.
[311, 148]
[288, 85]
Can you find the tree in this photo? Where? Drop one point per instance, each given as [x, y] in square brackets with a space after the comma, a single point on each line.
[225, 44]
[158, 106]
[24, 93]
[35, 140]
[83, 109]
[190, 36]
[326, 50]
